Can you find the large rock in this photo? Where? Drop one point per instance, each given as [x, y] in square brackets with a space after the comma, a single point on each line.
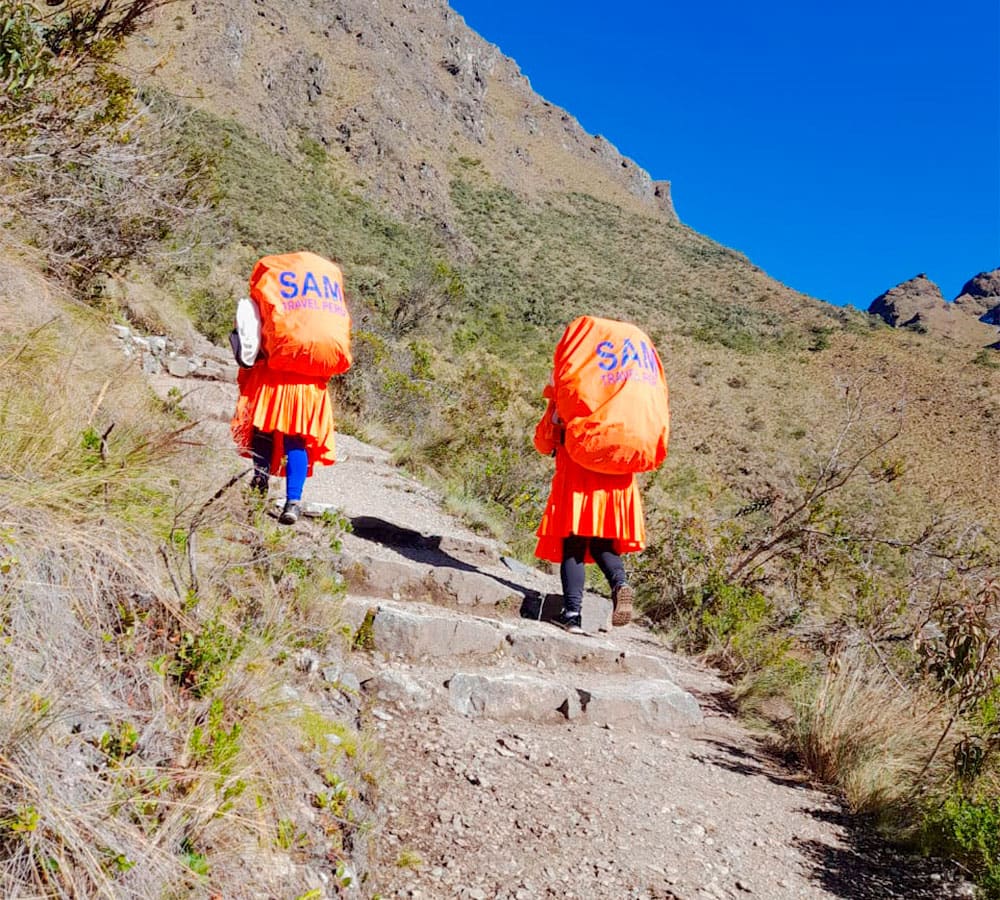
[980, 297]
[917, 304]
[385, 578]
[658, 705]
[507, 697]
[470, 588]
[420, 634]
[910, 303]
[401, 689]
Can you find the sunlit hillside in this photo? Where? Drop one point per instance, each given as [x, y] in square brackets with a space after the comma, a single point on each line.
[826, 520]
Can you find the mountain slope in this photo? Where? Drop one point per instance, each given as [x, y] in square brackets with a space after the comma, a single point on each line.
[823, 513]
[332, 120]
[397, 91]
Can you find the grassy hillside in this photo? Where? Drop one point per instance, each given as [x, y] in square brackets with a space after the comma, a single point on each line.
[822, 505]
[157, 739]
[154, 728]
[823, 528]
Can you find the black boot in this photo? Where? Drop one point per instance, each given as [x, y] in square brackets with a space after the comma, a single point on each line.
[290, 514]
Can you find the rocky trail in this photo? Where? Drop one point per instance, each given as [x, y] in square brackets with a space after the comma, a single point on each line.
[524, 762]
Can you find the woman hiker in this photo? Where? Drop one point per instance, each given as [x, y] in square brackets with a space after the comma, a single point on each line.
[291, 336]
[607, 418]
[589, 517]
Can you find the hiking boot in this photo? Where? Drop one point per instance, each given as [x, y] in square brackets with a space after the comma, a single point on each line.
[290, 514]
[259, 483]
[621, 602]
[570, 623]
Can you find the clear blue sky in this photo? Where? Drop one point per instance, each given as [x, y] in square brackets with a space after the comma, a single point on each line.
[843, 147]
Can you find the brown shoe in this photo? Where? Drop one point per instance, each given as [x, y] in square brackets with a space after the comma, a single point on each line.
[621, 601]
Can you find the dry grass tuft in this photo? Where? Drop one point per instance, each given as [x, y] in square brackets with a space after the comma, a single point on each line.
[860, 730]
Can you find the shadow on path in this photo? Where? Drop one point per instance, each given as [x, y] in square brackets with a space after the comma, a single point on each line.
[426, 549]
[861, 866]
[866, 868]
[762, 764]
[407, 542]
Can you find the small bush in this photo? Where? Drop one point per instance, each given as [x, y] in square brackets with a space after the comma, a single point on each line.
[987, 358]
[969, 827]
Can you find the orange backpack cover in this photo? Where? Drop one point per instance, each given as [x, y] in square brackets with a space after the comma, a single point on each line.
[305, 325]
[611, 393]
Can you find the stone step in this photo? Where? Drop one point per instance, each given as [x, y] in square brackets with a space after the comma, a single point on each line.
[629, 703]
[536, 672]
[397, 631]
[414, 631]
[444, 578]
[398, 578]
[554, 649]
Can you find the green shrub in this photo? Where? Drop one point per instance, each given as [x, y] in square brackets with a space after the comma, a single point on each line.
[213, 313]
[970, 828]
[203, 656]
[24, 55]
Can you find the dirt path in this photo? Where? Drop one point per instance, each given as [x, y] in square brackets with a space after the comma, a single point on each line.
[493, 788]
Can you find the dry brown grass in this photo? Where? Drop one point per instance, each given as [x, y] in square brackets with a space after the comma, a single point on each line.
[152, 741]
[862, 731]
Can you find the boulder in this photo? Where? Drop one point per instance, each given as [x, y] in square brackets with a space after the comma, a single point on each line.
[980, 297]
[507, 697]
[910, 303]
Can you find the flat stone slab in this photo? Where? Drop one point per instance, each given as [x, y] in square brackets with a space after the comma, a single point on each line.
[659, 705]
[559, 649]
[508, 697]
[650, 704]
[482, 552]
[468, 588]
[403, 579]
[418, 634]
[390, 579]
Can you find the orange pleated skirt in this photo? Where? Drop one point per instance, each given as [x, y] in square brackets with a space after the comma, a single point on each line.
[590, 504]
[284, 403]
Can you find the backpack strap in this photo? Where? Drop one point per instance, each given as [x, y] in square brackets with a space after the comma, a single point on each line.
[245, 337]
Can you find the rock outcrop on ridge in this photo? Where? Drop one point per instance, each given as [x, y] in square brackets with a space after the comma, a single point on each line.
[980, 297]
[919, 305]
[910, 304]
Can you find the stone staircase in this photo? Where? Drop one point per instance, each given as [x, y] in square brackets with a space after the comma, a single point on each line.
[519, 762]
[435, 595]
[477, 640]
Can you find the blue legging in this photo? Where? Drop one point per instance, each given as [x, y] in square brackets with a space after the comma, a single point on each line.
[572, 570]
[296, 467]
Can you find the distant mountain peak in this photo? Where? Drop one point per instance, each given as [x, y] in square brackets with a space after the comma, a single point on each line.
[909, 302]
[918, 304]
[980, 297]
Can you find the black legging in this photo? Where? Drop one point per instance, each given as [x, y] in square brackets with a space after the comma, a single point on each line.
[573, 572]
